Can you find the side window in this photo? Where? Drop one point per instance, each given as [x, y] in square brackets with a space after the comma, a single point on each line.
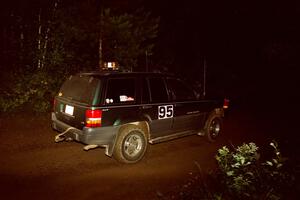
[120, 91]
[158, 90]
[180, 90]
[145, 92]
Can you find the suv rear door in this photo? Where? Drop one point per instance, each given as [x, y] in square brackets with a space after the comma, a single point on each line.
[77, 94]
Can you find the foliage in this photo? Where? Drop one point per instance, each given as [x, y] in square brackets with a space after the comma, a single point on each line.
[59, 38]
[243, 176]
[34, 83]
[33, 90]
[238, 168]
[128, 37]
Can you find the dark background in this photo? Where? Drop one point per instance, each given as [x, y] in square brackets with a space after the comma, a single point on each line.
[250, 48]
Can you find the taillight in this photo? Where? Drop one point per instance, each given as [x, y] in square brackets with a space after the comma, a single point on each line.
[54, 104]
[93, 118]
[226, 103]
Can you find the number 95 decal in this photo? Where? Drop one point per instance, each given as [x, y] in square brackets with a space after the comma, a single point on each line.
[165, 111]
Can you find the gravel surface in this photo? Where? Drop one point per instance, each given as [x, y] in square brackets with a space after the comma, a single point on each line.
[34, 166]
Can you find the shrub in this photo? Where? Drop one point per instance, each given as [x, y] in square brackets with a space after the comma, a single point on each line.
[35, 90]
[244, 176]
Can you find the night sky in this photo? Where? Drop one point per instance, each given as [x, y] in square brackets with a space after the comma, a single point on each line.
[251, 47]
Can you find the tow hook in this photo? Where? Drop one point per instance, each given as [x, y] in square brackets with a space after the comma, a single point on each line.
[90, 146]
[61, 137]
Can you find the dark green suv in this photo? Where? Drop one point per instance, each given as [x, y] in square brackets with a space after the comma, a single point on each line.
[124, 112]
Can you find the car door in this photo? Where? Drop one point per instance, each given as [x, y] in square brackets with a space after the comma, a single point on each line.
[187, 113]
[120, 100]
[156, 105]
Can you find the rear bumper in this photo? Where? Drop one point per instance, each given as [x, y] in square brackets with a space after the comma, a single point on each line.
[99, 136]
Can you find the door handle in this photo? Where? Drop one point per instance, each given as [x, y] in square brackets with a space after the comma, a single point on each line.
[146, 107]
[178, 104]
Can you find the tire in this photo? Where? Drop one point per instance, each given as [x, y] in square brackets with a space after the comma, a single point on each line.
[213, 127]
[131, 145]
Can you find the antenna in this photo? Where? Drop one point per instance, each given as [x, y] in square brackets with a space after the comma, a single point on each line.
[146, 53]
[204, 77]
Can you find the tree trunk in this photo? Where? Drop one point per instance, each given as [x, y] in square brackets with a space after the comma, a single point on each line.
[43, 51]
[100, 52]
[39, 40]
[100, 41]
[46, 39]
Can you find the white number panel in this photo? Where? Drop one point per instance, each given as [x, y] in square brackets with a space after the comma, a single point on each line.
[165, 111]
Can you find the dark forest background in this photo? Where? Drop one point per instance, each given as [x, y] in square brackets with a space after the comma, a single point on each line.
[250, 49]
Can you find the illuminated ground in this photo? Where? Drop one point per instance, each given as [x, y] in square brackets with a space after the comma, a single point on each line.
[33, 166]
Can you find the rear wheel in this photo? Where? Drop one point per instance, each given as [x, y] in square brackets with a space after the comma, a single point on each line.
[213, 127]
[131, 145]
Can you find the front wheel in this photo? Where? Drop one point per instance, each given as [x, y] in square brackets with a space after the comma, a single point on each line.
[131, 145]
[213, 127]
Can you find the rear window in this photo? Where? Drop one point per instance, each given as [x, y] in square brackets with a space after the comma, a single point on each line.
[83, 89]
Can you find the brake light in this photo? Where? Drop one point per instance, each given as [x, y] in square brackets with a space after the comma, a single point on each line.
[93, 118]
[54, 103]
[226, 103]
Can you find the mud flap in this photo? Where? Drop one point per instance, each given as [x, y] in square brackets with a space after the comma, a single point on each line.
[109, 149]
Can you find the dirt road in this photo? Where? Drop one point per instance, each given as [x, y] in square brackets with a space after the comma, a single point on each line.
[33, 166]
